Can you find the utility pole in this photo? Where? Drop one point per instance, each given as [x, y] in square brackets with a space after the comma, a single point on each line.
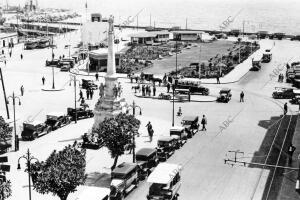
[4, 93]
[186, 23]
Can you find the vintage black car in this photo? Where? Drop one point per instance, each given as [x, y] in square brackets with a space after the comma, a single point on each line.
[267, 56]
[91, 141]
[57, 120]
[146, 159]
[225, 95]
[81, 113]
[34, 130]
[124, 178]
[88, 84]
[283, 93]
[71, 61]
[191, 125]
[180, 132]
[165, 147]
[296, 37]
[54, 62]
[193, 86]
[278, 36]
[296, 98]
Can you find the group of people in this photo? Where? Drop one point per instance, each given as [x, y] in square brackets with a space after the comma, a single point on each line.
[146, 90]
[280, 78]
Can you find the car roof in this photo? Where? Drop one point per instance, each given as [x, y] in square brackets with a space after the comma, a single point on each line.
[296, 91]
[146, 151]
[93, 193]
[176, 128]
[124, 168]
[34, 123]
[163, 173]
[165, 138]
[56, 114]
[189, 118]
[225, 90]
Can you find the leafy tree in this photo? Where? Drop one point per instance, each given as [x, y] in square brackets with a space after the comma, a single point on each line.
[116, 133]
[5, 130]
[5, 190]
[61, 173]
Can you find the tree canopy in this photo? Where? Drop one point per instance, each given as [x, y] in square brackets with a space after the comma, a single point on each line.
[5, 130]
[5, 190]
[116, 133]
[61, 173]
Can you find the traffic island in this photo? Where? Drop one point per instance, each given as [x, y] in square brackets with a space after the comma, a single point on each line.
[52, 90]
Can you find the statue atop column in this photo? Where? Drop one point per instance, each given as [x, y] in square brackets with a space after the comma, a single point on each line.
[109, 103]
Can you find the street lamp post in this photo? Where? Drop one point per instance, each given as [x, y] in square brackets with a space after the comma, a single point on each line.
[75, 102]
[133, 106]
[53, 86]
[13, 97]
[28, 157]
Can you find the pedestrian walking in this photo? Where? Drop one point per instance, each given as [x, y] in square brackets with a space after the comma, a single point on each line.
[53, 56]
[43, 80]
[154, 90]
[80, 95]
[218, 80]
[92, 93]
[168, 87]
[5, 62]
[97, 76]
[149, 90]
[291, 151]
[101, 90]
[143, 90]
[179, 113]
[119, 89]
[189, 96]
[285, 108]
[136, 79]
[2, 51]
[150, 131]
[10, 54]
[87, 94]
[22, 90]
[21, 56]
[242, 97]
[203, 122]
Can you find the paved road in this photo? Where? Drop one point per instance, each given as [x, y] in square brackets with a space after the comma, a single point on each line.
[204, 176]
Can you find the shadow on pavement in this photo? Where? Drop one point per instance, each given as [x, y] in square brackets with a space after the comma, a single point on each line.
[98, 179]
[260, 156]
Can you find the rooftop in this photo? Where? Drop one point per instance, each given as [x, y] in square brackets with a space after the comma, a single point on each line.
[187, 32]
[149, 34]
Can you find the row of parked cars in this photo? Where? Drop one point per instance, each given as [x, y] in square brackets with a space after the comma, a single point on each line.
[163, 177]
[54, 121]
[65, 64]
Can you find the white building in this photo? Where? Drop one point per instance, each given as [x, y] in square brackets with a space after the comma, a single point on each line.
[150, 38]
[187, 35]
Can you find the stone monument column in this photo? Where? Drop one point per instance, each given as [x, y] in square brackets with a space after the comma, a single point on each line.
[110, 104]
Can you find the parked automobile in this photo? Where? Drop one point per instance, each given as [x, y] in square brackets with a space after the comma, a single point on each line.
[165, 147]
[81, 113]
[296, 98]
[52, 62]
[267, 56]
[278, 36]
[165, 182]
[191, 125]
[180, 132]
[262, 34]
[182, 94]
[234, 32]
[283, 93]
[290, 75]
[225, 95]
[221, 36]
[88, 84]
[91, 141]
[65, 66]
[57, 120]
[124, 178]
[193, 86]
[256, 62]
[164, 95]
[147, 160]
[71, 61]
[93, 193]
[34, 129]
[296, 37]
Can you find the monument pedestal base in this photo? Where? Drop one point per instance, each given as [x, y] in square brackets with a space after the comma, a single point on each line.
[107, 106]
